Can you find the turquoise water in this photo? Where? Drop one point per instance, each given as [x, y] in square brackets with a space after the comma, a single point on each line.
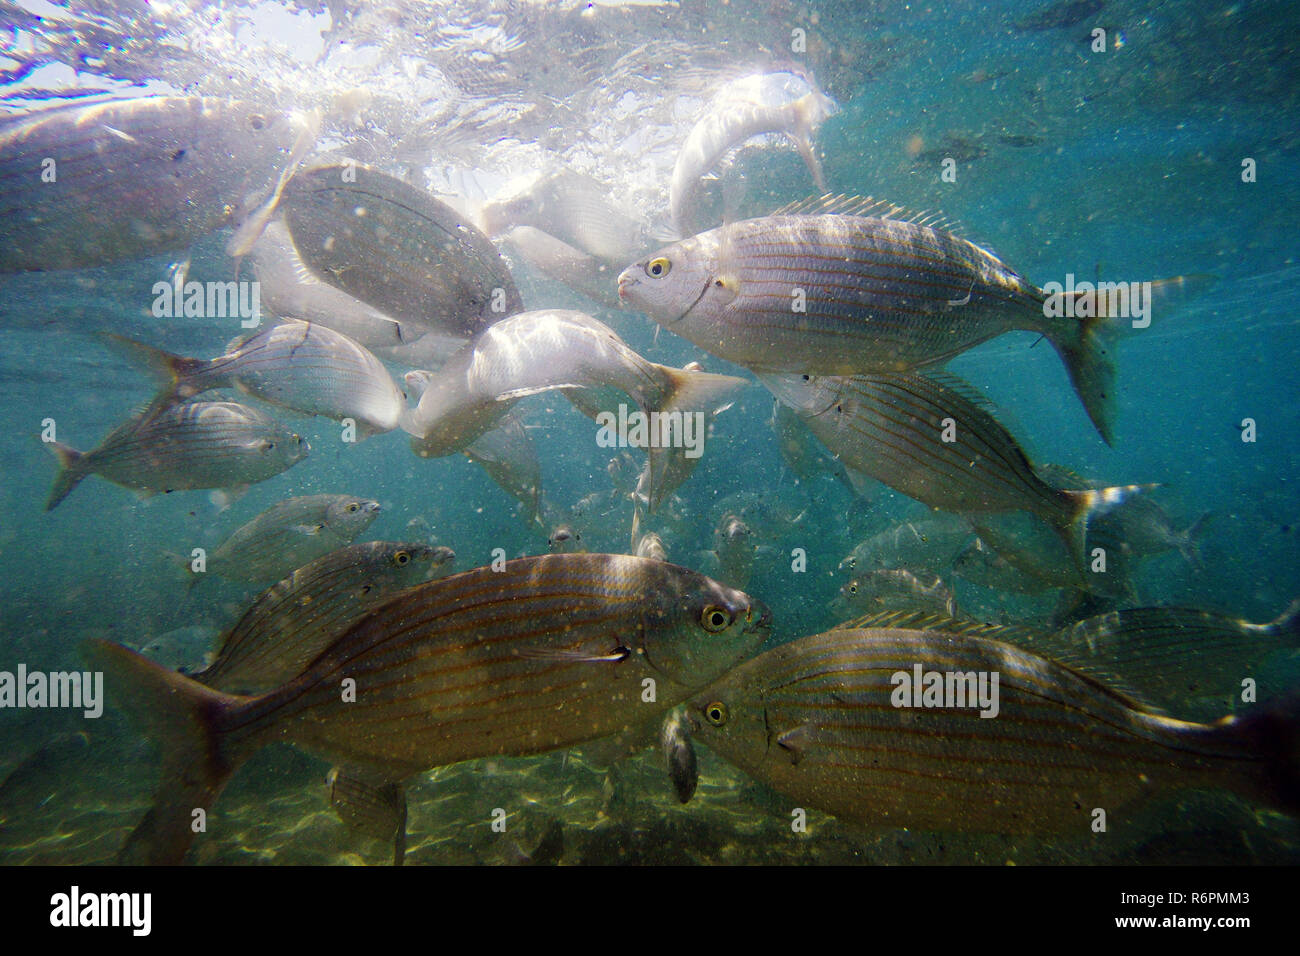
[1126, 164]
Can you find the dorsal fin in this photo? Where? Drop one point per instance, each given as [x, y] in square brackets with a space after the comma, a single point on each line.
[1042, 643]
[864, 206]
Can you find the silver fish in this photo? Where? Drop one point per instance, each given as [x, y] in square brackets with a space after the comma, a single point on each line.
[288, 535]
[841, 294]
[563, 350]
[297, 365]
[93, 184]
[743, 108]
[194, 445]
[398, 249]
[572, 209]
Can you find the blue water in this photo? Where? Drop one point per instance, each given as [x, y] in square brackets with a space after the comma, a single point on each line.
[1134, 173]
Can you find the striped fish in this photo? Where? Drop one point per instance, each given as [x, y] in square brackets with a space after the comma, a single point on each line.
[288, 535]
[924, 437]
[297, 365]
[398, 249]
[194, 445]
[894, 589]
[1177, 654]
[816, 719]
[546, 653]
[91, 184]
[293, 621]
[868, 292]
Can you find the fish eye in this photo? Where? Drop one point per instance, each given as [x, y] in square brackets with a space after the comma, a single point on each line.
[658, 267]
[402, 557]
[853, 588]
[716, 713]
[716, 619]
[257, 121]
[270, 446]
[353, 507]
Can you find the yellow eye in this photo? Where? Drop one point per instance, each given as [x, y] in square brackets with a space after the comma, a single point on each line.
[716, 619]
[402, 557]
[716, 713]
[658, 267]
[353, 507]
[853, 588]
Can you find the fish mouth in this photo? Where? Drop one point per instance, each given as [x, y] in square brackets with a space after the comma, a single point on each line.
[625, 282]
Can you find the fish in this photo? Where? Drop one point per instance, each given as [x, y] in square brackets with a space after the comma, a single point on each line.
[846, 286]
[297, 365]
[571, 208]
[980, 564]
[1058, 14]
[763, 103]
[185, 649]
[924, 436]
[928, 544]
[1177, 654]
[294, 620]
[397, 249]
[894, 589]
[563, 350]
[92, 184]
[183, 447]
[287, 535]
[565, 540]
[289, 288]
[828, 721]
[679, 755]
[482, 663]
[733, 545]
[1141, 527]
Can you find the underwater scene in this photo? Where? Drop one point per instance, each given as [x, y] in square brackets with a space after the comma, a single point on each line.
[547, 432]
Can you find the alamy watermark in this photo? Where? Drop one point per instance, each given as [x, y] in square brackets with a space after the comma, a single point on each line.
[82, 690]
[946, 689]
[637, 429]
[208, 300]
[1086, 300]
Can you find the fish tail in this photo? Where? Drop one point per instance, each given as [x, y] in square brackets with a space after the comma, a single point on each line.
[1092, 503]
[71, 471]
[167, 371]
[1087, 347]
[1189, 547]
[807, 113]
[184, 717]
[1270, 732]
